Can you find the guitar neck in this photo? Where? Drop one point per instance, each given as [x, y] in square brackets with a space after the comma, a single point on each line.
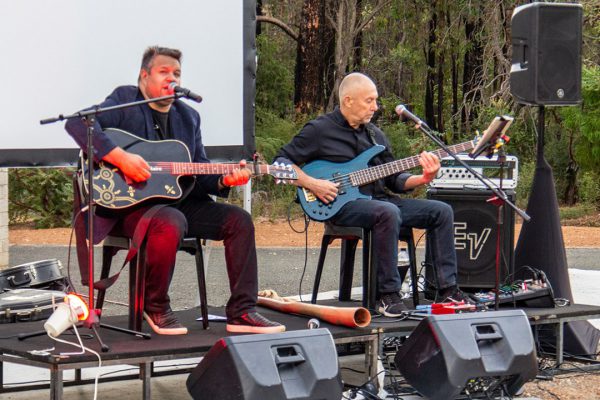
[368, 175]
[186, 168]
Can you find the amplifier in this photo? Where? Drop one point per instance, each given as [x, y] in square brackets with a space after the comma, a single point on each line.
[475, 232]
[452, 175]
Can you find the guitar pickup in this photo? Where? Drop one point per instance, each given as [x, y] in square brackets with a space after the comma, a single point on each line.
[308, 195]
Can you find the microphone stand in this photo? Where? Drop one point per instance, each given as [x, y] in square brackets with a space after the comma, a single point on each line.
[89, 119]
[499, 225]
[499, 199]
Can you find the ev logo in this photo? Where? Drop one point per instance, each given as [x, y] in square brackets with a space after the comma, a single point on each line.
[471, 240]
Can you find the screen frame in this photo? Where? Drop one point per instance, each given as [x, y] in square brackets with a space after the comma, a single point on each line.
[67, 157]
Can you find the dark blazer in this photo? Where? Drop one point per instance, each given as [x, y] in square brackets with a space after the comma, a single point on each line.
[184, 125]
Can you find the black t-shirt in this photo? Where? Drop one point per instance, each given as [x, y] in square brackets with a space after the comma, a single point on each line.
[161, 124]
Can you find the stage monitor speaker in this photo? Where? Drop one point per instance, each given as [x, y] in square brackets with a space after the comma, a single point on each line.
[447, 354]
[475, 230]
[546, 54]
[291, 365]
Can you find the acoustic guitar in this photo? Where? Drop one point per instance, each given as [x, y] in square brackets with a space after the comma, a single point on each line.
[111, 190]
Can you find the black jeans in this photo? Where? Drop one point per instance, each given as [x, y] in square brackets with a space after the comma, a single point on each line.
[206, 219]
[385, 217]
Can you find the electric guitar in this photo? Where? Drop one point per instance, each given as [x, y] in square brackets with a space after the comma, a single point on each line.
[111, 190]
[355, 173]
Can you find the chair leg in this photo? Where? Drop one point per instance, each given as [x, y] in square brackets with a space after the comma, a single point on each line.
[414, 277]
[324, 245]
[201, 283]
[137, 279]
[369, 272]
[107, 256]
[347, 268]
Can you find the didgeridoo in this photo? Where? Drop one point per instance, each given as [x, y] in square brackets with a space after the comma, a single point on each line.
[346, 316]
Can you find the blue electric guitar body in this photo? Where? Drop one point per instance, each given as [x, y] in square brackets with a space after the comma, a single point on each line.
[338, 172]
[355, 173]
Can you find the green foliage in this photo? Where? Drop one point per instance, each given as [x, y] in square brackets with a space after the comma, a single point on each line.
[589, 188]
[274, 78]
[43, 196]
[272, 132]
[526, 172]
[587, 119]
[579, 211]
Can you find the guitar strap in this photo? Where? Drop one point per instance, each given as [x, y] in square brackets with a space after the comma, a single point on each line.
[139, 236]
[371, 132]
[135, 243]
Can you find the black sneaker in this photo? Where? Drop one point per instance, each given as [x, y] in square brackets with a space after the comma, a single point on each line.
[455, 295]
[253, 323]
[165, 322]
[391, 305]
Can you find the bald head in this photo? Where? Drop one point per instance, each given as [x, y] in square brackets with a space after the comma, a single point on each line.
[358, 99]
[352, 82]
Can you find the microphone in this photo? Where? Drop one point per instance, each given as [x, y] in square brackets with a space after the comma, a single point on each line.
[404, 114]
[187, 93]
[313, 323]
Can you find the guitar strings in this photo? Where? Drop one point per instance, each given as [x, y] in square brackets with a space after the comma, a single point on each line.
[345, 182]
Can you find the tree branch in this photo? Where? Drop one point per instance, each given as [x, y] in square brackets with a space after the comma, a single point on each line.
[279, 23]
[368, 18]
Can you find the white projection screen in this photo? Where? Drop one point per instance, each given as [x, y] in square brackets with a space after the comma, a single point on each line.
[61, 56]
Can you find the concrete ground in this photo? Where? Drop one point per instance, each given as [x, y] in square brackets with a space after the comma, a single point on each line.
[280, 269]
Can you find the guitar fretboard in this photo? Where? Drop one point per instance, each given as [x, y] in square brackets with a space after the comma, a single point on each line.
[371, 174]
[183, 168]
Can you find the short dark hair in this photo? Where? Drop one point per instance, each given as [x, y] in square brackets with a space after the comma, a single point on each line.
[154, 51]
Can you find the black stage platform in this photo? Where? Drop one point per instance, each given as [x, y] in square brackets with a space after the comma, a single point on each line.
[126, 349]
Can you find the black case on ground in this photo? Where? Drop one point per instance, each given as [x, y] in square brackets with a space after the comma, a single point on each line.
[44, 274]
[24, 305]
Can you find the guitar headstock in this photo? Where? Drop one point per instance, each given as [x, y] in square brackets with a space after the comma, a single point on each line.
[282, 172]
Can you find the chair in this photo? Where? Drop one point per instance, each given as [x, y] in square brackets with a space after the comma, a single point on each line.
[112, 244]
[350, 237]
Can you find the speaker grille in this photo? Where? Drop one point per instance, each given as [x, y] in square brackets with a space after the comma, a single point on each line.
[475, 232]
[546, 66]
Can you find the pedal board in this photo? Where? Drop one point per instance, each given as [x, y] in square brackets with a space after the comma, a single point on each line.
[530, 297]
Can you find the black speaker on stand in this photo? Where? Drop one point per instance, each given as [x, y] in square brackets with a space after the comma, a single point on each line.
[546, 59]
[476, 352]
[298, 365]
[475, 238]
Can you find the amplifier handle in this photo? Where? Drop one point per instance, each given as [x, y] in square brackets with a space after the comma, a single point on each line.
[15, 283]
[288, 355]
[486, 332]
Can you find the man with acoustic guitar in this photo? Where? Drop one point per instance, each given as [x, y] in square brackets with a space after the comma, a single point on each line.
[341, 136]
[196, 215]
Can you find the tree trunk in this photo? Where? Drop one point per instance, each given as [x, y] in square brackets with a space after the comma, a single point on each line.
[346, 18]
[472, 70]
[430, 78]
[441, 50]
[259, 12]
[344, 26]
[454, 80]
[358, 43]
[308, 95]
[440, 93]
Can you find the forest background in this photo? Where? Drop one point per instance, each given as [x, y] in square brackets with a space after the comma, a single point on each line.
[449, 61]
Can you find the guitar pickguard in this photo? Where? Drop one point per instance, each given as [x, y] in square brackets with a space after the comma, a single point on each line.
[108, 191]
